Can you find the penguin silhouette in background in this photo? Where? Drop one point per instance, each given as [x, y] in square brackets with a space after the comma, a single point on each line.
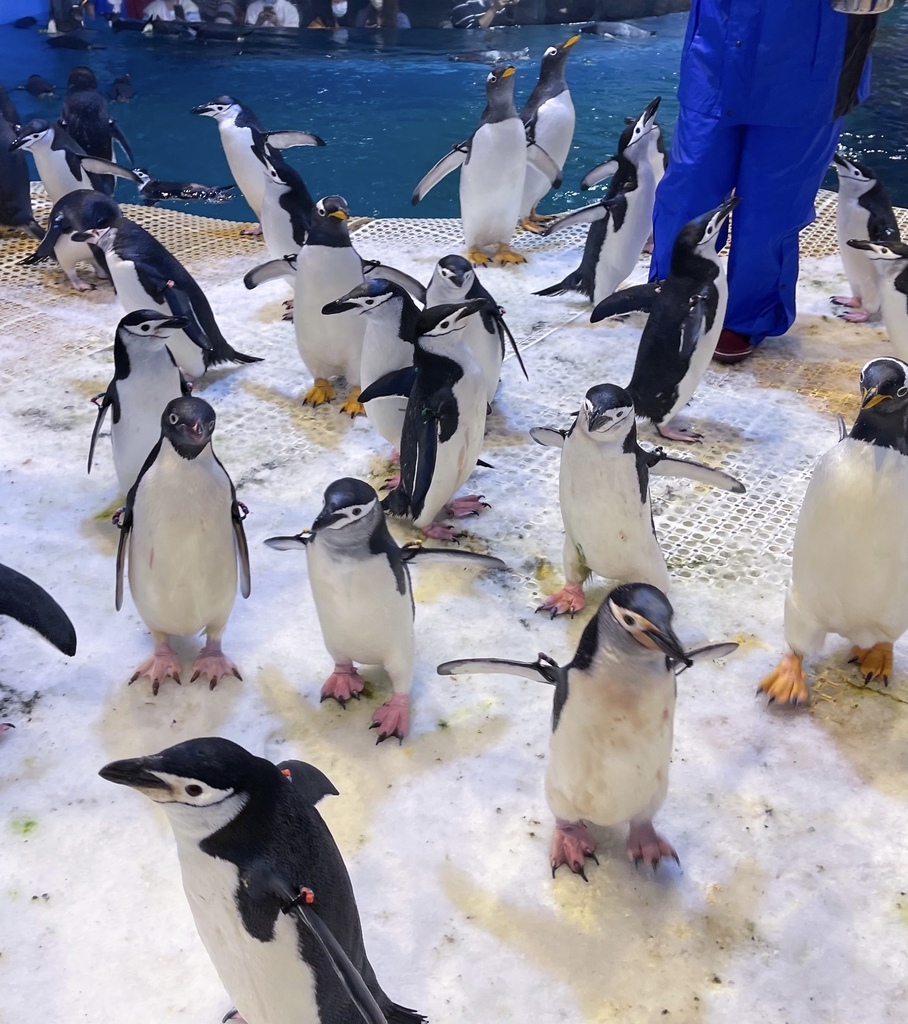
[15, 192]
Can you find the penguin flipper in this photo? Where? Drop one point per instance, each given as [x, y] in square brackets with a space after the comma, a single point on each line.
[95, 165]
[242, 548]
[411, 552]
[548, 437]
[572, 283]
[543, 163]
[396, 383]
[843, 430]
[426, 457]
[599, 173]
[125, 525]
[109, 399]
[543, 670]
[448, 163]
[117, 134]
[270, 271]
[499, 320]
[627, 300]
[585, 215]
[711, 651]
[22, 599]
[45, 250]
[307, 781]
[375, 268]
[289, 139]
[660, 464]
[693, 324]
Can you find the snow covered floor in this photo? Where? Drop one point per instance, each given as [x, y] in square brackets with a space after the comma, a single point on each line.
[790, 905]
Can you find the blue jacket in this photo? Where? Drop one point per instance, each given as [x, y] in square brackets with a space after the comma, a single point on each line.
[783, 63]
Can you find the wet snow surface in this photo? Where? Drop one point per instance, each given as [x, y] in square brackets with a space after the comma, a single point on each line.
[790, 904]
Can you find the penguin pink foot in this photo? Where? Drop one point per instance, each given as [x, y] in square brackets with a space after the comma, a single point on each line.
[6, 726]
[254, 230]
[846, 300]
[645, 844]
[468, 505]
[569, 599]
[678, 434]
[392, 482]
[162, 664]
[212, 664]
[392, 718]
[233, 1015]
[572, 843]
[440, 531]
[856, 316]
[343, 683]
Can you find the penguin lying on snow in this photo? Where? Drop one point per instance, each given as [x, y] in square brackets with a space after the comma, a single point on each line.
[86, 117]
[864, 212]
[687, 311]
[612, 723]
[493, 162]
[23, 600]
[604, 495]
[250, 844]
[621, 221]
[890, 264]
[363, 596]
[849, 570]
[183, 531]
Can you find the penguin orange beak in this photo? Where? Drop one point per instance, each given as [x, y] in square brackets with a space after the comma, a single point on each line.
[872, 397]
[508, 71]
[339, 215]
[570, 42]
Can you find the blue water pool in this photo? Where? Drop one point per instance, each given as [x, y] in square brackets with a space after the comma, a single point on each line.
[389, 105]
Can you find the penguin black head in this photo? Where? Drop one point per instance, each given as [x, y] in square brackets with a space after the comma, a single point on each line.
[349, 503]
[554, 58]
[892, 253]
[188, 424]
[884, 386]
[638, 128]
[366, 297]
[31, 133]
[457, 270]
[96, 211]
[607, 410]
[850, 170]
[640, 614]
[447, 319]
[500, 93]
[329, 222]
[146, 324]
[223, 106]
[701, 234]
[81, 79]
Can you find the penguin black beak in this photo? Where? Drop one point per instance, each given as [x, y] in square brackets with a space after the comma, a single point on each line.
[668, 643]
[18, 144]
[650, 113]
[338, 306]
[602, 418]
[325, 518]
[132, 772]
[173, 323]
[203, 108]
[724, 211]
[300, 540]
[861, 243]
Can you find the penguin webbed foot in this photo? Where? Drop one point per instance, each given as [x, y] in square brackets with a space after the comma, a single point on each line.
[678, 434]
[468, 505]
[533, 224]
[479, 258]
[212, 664]
[441, 531]
[392, 718]
[569, 599]
[645, 845]
[856, 316]
[162, 664]
[251, 231]
[852, 301]
[322, 391]
[572, 843]
[873, 662]
[351, 405]
[787, 683]
[506, 255]
[81, 286]
[233, 1015]
[343, 684]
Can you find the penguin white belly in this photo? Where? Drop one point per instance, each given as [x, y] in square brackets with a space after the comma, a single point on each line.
[384, 352]
[609, 757]
[622, 247]
[363, 616]
[267, 981]
[245, 166]
[856, 506]
[604, 516]
[56, 177]
[69, 253]
[555, 121]
[182, 554]
[456, 458]
[143, 395]
[329, 345]
[275, 221]
[894, 307]
[487, 352]
[491, 183]
[852, 222]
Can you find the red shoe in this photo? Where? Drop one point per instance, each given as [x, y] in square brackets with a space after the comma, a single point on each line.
[732, 347]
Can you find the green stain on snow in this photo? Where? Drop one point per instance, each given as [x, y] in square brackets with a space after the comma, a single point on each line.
[23, 826]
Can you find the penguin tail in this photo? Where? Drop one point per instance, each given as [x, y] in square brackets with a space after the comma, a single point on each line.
[572, 283]
[229, 355]
[241, 357]
[395, 1014]
[397, 503]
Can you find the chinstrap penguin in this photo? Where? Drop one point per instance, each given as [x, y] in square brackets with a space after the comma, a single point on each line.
[286, 211]
[26, 602]
[15, 192]
[890, 264]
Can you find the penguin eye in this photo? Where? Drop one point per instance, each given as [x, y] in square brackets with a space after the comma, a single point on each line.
[551, 51]
[628, 620]
[144, 327]
[370, 302]
[193, 790]
[211, 424]
[443, 324]
[357, 511]
[174, 419]
[901, 392]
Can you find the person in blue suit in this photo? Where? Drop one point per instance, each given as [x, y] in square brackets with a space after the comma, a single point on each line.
[764, 86]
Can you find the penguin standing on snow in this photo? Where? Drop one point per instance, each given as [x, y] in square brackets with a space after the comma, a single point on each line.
[145, 380]
[182, 530]
[455, 281]
[15, 192]
[266, 883]
[493, 162]
[687, 311]
[612, 723]
[363, 596]
[548, 117]
[621, 221]
[863, 212]
[890, 264]
[604, 495]
[849, 570]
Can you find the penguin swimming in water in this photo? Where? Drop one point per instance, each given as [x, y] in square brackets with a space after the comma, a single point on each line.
[182, 535]
[454, 281]
[266, 883]
[147, 276]
[604, 496]
[444, 422]
[72, 214]
[621, 221]
[548, 117]
[121, 89]
[687, 311]
[612, 723]
[154, 191]
[849, 570]
[145, 380]
[26, 602]
[864, 212]
[15, 192]
[363, 596]
[890, 264]
[493, 162]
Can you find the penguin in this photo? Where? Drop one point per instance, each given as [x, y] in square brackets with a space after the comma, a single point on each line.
[687, 311]
[181, 532]
[493, 162]
[147, 276]
[75, 212]
[849, 569]
[548, 117]
[621, 221]
[38, 87]
[612, 723]
[864, 212]
[121, 89]
[266, 883]
[890, 264]
[154, 191]
[455, 281]
[26, 602]
[240, 132]
[444, 420]
[604, 496]
[145, 379]
[15, 192]
[286, 210]
[363, 596]
[87, 120]
[63, 165]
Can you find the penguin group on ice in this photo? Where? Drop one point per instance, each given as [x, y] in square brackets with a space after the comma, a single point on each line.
[266, 883]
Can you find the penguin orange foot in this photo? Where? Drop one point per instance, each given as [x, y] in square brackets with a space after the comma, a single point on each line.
[321, 391]
[163, 664]
[468, 505]
[506, 254]
[531, 224]
[569, 599]
[873, 662]
[343, 683]
[351, 405]
[392, 718]
[479, 258]
[787, 682]
[572, 843]
[212, 664]
[645, 844]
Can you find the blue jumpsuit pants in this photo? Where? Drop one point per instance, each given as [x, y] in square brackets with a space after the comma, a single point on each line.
[776, 173]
